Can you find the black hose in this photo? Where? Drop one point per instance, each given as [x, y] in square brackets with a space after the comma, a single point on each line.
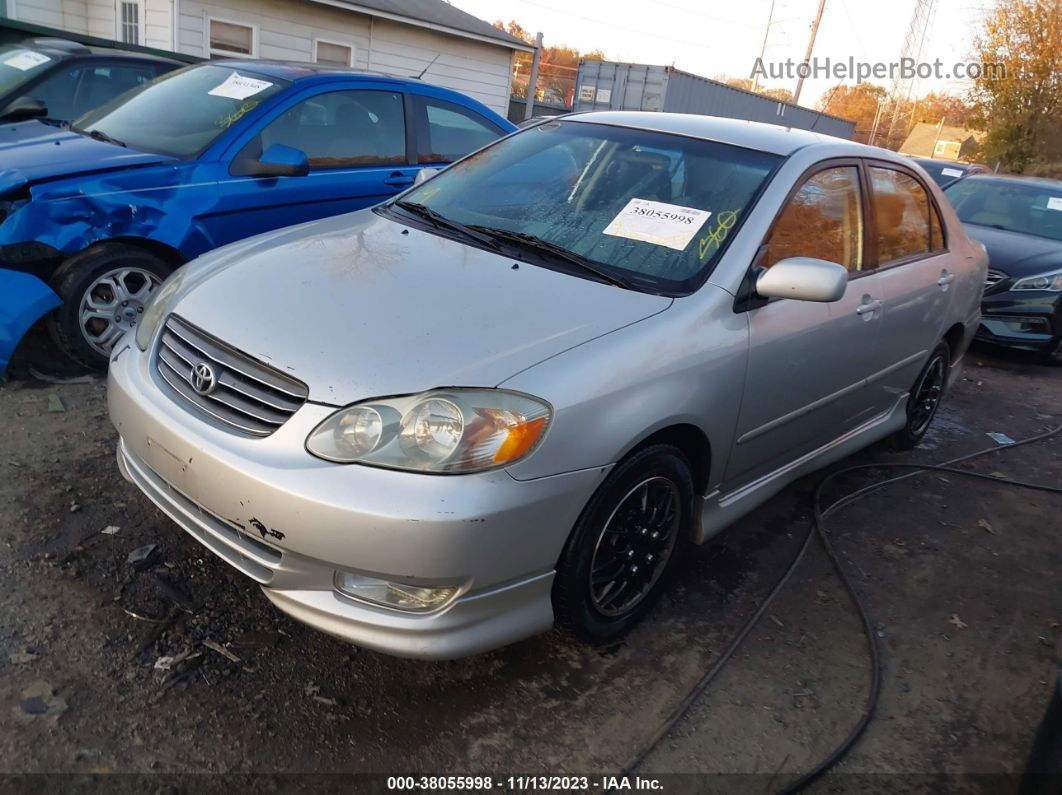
[818, 528]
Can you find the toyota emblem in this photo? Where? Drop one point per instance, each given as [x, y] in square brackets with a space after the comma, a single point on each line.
[204, 380]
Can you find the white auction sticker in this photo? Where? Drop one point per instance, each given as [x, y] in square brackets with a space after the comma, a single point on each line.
[236, 86]
[951, 172]
[658, 223]
[586, 93]
[1054, 203]
[26, 60]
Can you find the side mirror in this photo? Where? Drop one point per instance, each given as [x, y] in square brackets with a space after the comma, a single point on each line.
[425, 174]
[803, 278]
[276, 161]
[24, 108]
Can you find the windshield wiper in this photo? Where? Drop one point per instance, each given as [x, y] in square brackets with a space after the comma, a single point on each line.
[442, 222]
[540, 246]
[99, 135]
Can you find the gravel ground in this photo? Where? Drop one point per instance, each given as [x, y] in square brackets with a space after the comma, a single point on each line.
[177, 664]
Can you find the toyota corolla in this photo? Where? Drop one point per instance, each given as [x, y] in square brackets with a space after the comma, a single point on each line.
[513, 396]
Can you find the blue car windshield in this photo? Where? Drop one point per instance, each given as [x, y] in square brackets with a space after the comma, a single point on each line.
[1031, 208]
[183, 112]
[654, 210]
[19, 65]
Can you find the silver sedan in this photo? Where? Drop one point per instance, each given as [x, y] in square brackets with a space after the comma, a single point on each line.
[513, 396]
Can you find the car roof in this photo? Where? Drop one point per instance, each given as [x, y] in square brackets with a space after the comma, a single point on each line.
[771, 138]
[65, 49]
[1015, 179]
[297, 70]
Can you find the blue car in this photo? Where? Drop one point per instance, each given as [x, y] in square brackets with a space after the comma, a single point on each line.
[104, 208]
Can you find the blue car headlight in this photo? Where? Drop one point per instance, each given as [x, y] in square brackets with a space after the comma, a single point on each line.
[1050, 281]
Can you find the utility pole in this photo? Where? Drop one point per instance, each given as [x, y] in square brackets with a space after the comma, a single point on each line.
[811, 47]
[763, 47]
[877, 118]
[532, 81]
[913, 44]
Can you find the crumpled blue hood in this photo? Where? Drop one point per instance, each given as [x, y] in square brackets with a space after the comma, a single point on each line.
[32, 151]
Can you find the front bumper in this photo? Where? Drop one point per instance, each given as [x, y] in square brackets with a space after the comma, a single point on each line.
[1028, 320]
[290, 521]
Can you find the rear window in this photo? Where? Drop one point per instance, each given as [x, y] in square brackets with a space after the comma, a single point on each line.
[655, 208]
[1031, 208]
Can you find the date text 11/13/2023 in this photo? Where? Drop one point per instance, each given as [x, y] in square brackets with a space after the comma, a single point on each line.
[522, 783]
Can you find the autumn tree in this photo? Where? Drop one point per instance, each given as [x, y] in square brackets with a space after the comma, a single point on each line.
[858, 103]
[557, 68]
[781, 94]
[935, 107]
[1021, 111]
[747, 84]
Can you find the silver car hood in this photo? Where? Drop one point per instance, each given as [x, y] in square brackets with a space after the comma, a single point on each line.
[359, 306]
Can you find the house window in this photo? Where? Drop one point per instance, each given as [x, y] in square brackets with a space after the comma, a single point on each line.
[231, 38]
[129, 23]
[334, 54]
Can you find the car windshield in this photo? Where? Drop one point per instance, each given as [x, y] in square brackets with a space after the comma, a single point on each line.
[942, 173]
[652, 209]
[1031, 208]
[180, 113]
[19, 65]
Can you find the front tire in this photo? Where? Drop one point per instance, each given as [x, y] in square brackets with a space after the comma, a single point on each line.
[103, 289]
[925, 397]
[624, 545]
[1054, 354]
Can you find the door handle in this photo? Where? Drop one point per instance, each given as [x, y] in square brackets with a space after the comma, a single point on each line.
[398, 179]
[869, 306]
[945, 279]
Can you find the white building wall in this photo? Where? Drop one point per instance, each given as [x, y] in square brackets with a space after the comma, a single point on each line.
[156, 29]
[286, 29]
[98, 18]
[101, 18]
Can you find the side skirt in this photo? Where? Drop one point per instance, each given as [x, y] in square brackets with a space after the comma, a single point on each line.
[720, 510]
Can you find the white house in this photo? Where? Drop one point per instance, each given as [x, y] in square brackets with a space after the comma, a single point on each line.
[396, 37]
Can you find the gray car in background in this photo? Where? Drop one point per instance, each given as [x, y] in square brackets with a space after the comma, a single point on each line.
[513, 396]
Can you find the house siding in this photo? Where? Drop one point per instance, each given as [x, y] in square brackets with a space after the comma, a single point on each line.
[99, 18]
[286, 30]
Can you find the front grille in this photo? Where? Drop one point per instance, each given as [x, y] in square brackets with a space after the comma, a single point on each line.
[240, 392]
[993, 278]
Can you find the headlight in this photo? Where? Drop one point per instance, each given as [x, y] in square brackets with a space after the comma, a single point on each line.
[443, 431]
[1051, 281]
[158, 304]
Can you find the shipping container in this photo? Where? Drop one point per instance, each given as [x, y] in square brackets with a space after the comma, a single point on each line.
[611, 85]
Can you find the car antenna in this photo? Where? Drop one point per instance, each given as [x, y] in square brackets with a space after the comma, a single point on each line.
[429, 66]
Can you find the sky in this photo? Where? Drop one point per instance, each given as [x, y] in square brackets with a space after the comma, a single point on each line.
[713, 37]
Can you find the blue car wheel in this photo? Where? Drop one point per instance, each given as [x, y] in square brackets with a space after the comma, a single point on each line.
[104, 290]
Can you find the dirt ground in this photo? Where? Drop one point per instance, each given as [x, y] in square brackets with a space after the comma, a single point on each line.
[961, 577]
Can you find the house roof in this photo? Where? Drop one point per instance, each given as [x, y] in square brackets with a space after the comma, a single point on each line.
[925, 136]
[434, 14]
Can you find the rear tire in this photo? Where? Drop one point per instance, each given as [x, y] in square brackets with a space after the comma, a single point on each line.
[624, 546]
[103, 289]
[925, 397]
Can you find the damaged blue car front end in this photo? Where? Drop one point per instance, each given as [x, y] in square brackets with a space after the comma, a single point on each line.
[105, 208]
[24, 299]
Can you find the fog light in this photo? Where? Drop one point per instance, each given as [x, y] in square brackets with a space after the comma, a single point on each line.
[397, 595]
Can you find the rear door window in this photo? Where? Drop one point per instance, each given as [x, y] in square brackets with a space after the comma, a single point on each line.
[901, 215]
[449, 131]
